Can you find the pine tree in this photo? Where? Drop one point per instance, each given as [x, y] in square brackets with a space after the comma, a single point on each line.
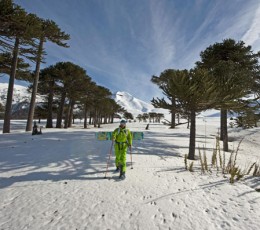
[49, 32]
[48, 85]
[17, 31]
[234, 67]
[163, 81]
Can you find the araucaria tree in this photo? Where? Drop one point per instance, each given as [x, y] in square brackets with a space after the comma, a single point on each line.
[193, 92]
[48, 85]
[163, 81]
[69, 83]
[49, 31]
[234, 67]
[17, 32]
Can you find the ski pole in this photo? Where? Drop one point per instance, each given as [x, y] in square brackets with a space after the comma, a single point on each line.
[131, 157]
[109, 159]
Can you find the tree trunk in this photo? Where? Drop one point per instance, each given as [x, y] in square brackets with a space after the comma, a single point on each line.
[99, 119]
[222, 121]
[85, 116]
[61, 107]
[224, 129]
[191, 155]
[173, 113]
[66, 121]
[112, 118]
[35, 87]
[9, 100]
[106, 119]
[95, 118]
[49, 123]
[90, 119]
[173, 120]
[71, 113]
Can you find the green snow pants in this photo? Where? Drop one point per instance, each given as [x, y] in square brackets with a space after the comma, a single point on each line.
[120, 152]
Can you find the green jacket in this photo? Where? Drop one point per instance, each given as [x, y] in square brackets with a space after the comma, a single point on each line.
[122, 135]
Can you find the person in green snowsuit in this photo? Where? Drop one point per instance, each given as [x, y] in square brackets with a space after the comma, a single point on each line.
[122, 139]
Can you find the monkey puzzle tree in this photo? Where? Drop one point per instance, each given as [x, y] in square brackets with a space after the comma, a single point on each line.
[70, 78]
[49, 31]
[194, 91]
[102, 96]
[48, 85]
[234, 67]
[17, 31]
[163, 82]
[22, 72]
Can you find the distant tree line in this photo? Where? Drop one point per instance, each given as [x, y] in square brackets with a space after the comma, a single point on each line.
[226, 75]
[152, 117]
[64, 85]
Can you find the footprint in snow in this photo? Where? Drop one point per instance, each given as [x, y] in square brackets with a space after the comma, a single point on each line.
[153, 203]
[235, 219]
[174, 215]
[147, 197]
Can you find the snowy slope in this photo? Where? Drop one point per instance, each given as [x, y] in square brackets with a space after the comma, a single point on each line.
[20, 93]
[137, 106]
[21, 100]
[134, 105]
[56, 181]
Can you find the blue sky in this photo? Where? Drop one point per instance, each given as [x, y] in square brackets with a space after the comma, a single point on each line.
[122, 43]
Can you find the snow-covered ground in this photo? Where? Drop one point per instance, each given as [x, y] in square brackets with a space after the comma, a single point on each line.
[56, 181]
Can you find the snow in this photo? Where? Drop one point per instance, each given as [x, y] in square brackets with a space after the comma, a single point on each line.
[20, 95]
[133, 105]
[56, 181]
[136, 106]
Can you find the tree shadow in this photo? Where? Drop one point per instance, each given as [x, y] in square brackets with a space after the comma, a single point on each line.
[54, 156]
[60, 155]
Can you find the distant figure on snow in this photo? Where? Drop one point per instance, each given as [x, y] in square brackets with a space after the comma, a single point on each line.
[35, 129]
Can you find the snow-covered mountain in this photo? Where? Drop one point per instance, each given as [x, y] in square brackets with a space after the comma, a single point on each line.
[20, 94]
[134, 105]
[137, 106]
[21, 100]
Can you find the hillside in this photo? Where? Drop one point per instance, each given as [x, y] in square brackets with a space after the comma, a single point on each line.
[134, 105]
[21, 99]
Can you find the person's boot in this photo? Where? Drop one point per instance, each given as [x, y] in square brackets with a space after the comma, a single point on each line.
[122, 176]
[120, 170]
[117, 169]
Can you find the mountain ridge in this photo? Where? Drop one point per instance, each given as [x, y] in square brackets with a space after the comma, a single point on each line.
[21, 100]
[133, 105]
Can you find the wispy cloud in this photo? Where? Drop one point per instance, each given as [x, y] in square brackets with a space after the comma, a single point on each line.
[123, 43]
[252, 35]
